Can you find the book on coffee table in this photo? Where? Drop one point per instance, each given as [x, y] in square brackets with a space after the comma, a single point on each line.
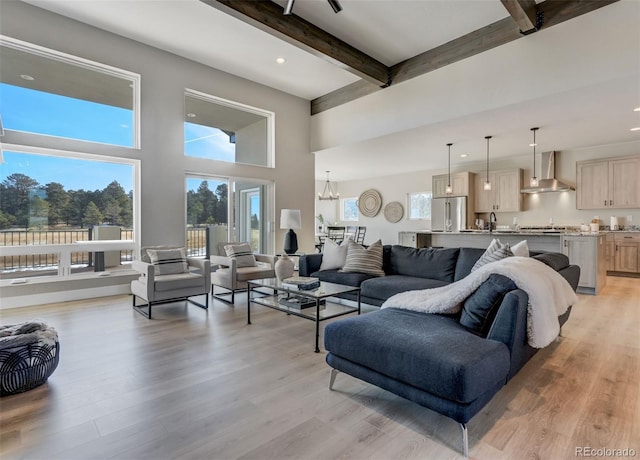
[300, 302]
[303, 283]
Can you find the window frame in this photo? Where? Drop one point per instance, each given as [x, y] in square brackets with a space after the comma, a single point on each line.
[342, 214]
[269, 115]
[95, 66]
[134, 163]
[409, 208]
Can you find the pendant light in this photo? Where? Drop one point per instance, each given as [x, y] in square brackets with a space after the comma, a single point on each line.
[533, 182]
[487, 184]
[449, 189]
[327, 193]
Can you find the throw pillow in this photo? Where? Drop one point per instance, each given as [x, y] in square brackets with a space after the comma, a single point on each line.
[481, 307]
[242, 253]
[334, 256]
[168, 261]
[364, 260]
[494, 252]
[520, 249]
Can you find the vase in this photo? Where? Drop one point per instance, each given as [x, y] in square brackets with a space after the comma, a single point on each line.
[284, 267]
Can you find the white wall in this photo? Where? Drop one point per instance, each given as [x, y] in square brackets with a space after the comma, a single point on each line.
[164, 77]
[251, 143]
[537, 208]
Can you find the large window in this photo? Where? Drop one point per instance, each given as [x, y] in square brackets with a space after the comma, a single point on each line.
[50, 93]
[214, 202]
[50, 197]
[419, 205]
[222, 130]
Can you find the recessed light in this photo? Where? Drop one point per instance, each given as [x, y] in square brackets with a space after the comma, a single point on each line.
[27, 77]
[281, 60]
[463, 155]
[637, 109]
[635, 129]
[191, 115]
[533, 145]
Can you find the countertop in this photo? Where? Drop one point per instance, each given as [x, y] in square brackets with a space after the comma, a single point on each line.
[529, 232]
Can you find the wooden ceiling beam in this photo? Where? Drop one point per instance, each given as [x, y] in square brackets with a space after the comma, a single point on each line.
[268, 16]
[524, 13]
[552, 12]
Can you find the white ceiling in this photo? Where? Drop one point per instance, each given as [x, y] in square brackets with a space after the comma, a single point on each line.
[580, 98]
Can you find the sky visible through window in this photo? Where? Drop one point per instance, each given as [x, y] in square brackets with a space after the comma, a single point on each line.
[208, 142]
[39, 112]
[32, 111]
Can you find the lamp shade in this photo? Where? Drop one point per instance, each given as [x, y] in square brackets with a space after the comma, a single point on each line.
[290, 218]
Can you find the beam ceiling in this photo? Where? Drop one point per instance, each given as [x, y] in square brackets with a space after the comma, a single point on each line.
[268, 16]
[524, 13]
[525, 17]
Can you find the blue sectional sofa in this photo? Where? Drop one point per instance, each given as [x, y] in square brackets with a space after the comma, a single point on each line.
[452, 364]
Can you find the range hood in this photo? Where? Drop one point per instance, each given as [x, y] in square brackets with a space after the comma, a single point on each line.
[548, 183]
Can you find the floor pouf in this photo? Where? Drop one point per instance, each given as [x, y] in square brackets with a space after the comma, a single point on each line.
[29, 353]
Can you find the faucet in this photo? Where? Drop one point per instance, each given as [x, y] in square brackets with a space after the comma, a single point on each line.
[493, 220]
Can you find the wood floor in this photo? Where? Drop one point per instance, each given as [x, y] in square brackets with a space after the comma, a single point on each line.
[198, 384]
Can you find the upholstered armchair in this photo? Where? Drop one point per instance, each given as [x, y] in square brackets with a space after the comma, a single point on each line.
[231, 272]
[167, 275]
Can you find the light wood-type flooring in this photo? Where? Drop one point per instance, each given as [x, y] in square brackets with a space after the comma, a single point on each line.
[195, 384]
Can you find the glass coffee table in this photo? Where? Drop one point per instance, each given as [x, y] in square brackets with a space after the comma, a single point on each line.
[313, 304]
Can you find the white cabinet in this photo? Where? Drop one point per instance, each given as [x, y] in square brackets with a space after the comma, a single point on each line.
[461, 184]
[414, 239]
[588, 253]
[504, 195]
[608, 184]
[407, 239]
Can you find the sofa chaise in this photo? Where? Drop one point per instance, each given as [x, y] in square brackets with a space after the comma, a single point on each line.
[452, 364]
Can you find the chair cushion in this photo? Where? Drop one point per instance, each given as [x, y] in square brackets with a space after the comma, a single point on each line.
[385, 287]
[554, 260]
[168, 261]
[336, 276]
[243, 254]
[434, 353]
[479, 310]
[364, 260]
[466, 260]
[254, 273]
[437, 264]
[178, 281]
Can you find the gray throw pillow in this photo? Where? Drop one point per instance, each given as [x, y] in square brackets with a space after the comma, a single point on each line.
[364, 260]
[494, 252]
[243, 254]
[168, 261]
[481, 307]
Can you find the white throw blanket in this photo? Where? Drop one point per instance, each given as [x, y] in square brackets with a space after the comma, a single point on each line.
[549, 295]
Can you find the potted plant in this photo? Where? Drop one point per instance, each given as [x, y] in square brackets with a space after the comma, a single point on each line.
[320, 218]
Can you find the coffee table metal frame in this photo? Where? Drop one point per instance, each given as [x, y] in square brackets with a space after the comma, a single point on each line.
[319, 313]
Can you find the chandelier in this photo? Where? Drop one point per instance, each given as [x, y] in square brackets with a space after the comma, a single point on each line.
[327, 193]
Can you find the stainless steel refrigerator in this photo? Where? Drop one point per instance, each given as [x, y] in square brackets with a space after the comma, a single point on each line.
[449, 214]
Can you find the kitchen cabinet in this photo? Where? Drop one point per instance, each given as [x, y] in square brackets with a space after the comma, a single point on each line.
[608, 184]
[504, 195]
[589, 253]
[414, 239]
[610, 251]
[461, 184]
[627, 252]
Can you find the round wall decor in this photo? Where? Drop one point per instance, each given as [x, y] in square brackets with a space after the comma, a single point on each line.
[393, 212]
[370, 203]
